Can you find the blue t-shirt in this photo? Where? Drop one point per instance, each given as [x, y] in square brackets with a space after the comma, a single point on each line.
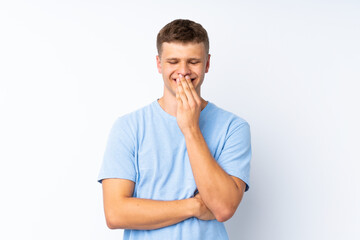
[147, 147]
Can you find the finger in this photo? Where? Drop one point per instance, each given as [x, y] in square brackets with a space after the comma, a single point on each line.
[194, 93]
[187, 90]
[178, 98]
[181, 92]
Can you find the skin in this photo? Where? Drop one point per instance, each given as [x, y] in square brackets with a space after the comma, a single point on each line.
[220, 192]
[187, 59]
[183, 68]
[122, 211]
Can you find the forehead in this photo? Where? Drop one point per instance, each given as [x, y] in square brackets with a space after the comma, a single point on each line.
[183, 50]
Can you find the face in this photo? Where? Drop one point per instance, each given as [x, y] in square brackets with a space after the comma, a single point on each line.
[186, 59]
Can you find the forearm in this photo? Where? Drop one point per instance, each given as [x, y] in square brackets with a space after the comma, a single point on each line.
[145, 214]
[218, 190]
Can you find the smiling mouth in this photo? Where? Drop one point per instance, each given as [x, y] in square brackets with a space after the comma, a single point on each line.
[192, 79]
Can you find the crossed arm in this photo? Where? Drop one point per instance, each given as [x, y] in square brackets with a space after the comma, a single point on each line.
[126, 212]
[219, 193]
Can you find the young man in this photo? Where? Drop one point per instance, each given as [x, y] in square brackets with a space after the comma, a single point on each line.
[178, 167]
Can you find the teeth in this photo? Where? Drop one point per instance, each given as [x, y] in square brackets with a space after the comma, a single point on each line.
[192, 79]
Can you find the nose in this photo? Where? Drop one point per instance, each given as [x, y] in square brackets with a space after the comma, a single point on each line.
[184, 69]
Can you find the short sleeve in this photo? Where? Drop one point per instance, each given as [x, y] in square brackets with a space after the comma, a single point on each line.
[118, 159]
[236, 154]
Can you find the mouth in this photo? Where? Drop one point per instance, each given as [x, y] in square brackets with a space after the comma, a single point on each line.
[192, 79]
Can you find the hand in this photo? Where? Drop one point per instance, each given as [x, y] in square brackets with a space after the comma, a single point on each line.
[188, 105]
[203, 213]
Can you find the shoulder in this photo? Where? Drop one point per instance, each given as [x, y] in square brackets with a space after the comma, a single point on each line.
[134, 117]
[130, 123]
[227, 117]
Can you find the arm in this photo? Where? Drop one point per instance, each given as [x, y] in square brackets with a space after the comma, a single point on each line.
[220, 192]
[126, 212]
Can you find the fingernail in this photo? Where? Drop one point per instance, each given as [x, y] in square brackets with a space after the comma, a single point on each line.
[177, 80]
[180, 75]
[187, 77]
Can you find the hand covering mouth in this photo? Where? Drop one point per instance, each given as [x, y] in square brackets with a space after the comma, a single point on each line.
[192, 79]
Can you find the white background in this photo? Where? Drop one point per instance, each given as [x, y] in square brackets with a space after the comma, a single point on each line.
[68, 69]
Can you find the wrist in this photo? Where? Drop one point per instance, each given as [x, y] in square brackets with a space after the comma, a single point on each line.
[193, 207]
[192, 133]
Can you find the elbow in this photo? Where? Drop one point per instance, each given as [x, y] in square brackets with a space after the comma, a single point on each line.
[224, 213]
[223, 217]
[111, 224]
[114, 222]
[226, 210]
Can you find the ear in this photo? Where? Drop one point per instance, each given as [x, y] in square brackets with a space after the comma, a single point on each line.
[158, 63]
[207, 63]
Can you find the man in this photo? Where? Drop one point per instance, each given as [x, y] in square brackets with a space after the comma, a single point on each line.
[178, 167]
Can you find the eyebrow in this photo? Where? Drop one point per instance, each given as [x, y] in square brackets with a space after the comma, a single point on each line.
[190, 59]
